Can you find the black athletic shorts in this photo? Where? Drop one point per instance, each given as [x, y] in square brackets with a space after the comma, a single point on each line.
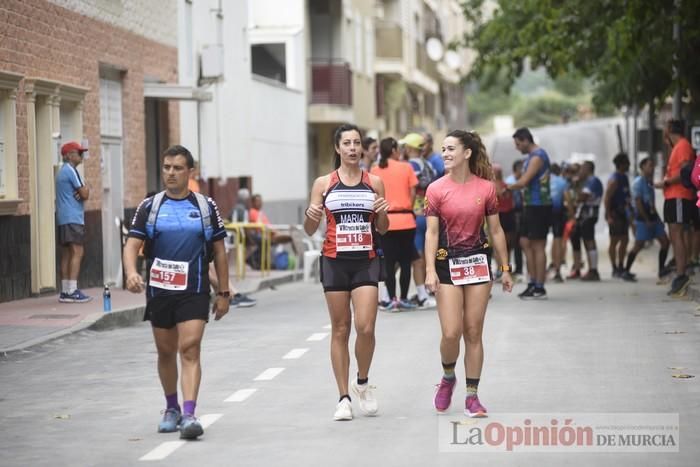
[166, 311]
[586, 229]
[345, 275]
[507, 221]
[71, 233]
[536, 222]
[680, 211]
[442, 267]
[558, 223]
[620, 225]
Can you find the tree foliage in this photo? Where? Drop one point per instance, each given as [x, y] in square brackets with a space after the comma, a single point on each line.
[625, 46]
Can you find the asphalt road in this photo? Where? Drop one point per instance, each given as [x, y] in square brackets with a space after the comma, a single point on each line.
[94, 398]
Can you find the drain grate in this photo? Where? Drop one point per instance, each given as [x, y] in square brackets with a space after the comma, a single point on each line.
[55, 316]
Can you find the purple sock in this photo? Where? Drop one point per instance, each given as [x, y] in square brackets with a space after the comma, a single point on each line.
[189, 407]
[171, 401]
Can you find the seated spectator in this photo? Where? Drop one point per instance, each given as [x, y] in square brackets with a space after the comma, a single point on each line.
[256, 215]
[240, 210]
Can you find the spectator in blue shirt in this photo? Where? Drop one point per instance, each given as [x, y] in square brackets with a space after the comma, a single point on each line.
[435, 158]
[71, 194]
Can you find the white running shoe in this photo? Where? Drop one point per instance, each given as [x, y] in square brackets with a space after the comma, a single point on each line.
[343, 411]
[364, 393]
[427, 303]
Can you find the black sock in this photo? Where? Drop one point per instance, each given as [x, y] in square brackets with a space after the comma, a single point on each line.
[630, 260]
[662, 259]
[449, 370]
[345, 396]
[472, 386]
[361, 381]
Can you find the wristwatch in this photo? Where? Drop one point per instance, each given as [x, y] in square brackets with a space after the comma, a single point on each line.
[505, 268]
[224, 293]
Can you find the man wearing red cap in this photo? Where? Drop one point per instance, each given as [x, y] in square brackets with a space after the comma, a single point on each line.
[71, 193]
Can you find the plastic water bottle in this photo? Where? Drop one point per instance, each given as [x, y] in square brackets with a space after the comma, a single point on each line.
[106, 299]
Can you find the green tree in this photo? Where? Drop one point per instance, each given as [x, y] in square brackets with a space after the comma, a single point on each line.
[625, 47]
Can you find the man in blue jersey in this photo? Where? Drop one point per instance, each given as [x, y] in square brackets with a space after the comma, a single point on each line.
[537, 216]
[590, 198]
[617, 206]
[71, 194]
[435, 158]
[558, 186]
[182, 231]
[648, 225]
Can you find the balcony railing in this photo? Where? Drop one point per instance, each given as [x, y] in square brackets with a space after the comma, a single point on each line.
[388, 40]
[331, 83]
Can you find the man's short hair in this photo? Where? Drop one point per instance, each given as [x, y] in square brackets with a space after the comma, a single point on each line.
[517, 165]
[523, 134]
[179, 150]
[621, 159]
[645, 161]
[676, 127]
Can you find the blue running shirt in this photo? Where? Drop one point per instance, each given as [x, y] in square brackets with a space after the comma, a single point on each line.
[179, 236]
[537, 192]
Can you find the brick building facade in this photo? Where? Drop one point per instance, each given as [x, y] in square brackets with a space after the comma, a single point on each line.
[77, 70]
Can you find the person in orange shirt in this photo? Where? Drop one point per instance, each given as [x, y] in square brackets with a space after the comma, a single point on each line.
[256, 215]
[400, 191]
[193, 182]
[679, 204]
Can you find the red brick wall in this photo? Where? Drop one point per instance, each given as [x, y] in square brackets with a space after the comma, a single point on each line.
[41, 40]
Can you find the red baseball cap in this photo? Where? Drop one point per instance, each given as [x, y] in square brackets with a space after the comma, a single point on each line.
[72, 146]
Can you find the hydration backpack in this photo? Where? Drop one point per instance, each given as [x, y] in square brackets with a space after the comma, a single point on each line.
[204, 214]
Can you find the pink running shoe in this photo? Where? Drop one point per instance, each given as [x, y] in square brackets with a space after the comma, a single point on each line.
[443, 394]
[473, 408]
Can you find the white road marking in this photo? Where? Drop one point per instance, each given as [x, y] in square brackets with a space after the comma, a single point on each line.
[268, 374]
[295, 353]
[162, 451]
[317, 336]
[208, 419]
[240, 395]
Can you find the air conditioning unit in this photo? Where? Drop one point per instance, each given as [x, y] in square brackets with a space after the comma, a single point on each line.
[212, 61]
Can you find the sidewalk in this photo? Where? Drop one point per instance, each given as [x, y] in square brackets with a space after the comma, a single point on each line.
[33, 321]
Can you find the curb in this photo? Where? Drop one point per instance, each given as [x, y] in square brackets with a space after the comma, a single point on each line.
[123, 317]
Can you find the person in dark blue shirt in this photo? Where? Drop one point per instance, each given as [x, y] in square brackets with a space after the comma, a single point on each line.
[617, 207]
[182, 231]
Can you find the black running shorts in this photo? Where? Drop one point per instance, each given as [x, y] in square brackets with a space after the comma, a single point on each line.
[679, 211]
[166, 311]
[345, 275]
[442, 268]
[558, 223]
[620, 225]
[536, 222]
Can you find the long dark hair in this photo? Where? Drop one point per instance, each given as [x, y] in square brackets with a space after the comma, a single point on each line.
[479, 163]
[337, 134]
[386, 147]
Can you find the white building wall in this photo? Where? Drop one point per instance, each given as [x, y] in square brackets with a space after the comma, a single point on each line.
[154, 19]
[251, 127]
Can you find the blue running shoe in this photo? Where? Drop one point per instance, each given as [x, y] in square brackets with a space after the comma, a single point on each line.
[190, 428]
[242, 301]
[170, 421]
[405, 304]
[65, 298]
[79, 297]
